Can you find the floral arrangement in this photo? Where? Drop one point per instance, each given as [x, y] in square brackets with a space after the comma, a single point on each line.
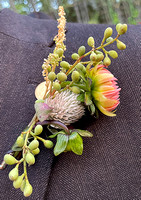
[61, 101]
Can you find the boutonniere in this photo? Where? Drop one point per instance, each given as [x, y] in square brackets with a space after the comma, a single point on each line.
[63, 98]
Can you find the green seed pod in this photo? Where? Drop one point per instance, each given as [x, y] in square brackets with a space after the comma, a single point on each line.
[49, 68]
[75, 76]
[81, 50]
[107, 61]
[61, 76]
[36, 151]
[56, 86]
[93, 56]
[108, 32]
[30, 159]
[90, 41]
[75, 89]
[118, 26]
[60, 52]
[48, 144]
[51, 76]
[20, 141]
[13, 174]
[122, 29]
[113, 54]
[38, 129]
[18, 182]
[23, 185]
[79, 66]
[28, 189]
[99, 57]
[75, 56]
[10, 160]
[33, 145]
[121, 45]
[65, 65]
[84, 69]
[109, 39]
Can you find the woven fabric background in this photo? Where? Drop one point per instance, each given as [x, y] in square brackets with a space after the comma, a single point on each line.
[109, 168]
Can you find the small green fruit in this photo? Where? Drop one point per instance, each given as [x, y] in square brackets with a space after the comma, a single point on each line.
[38, 130]
[30, 159]
[65, 65]
[109, 39]
[51, 76]
[91, 41]
[56, 86]
[75, 89]
[33, 145]
[99, 57]
[60, 52]
[118, 26]
[10, 160]
[75, 76]
[61, 76]
[75, 56]
[79, 66]
[13, 174]
[36, 151]
[18, 182]
[113, 54]
[20, 141]
[81, 50]
[23, 185]
[93, 56]
[49, 68]
[48, 144]
[107, 61]
[122, 29]
[28, 190]
[108, 32]
[121, 45]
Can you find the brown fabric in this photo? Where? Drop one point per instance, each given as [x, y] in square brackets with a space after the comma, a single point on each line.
[109, 167]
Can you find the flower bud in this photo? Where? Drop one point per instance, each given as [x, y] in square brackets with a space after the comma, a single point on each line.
[18, 182]
[75, 56]
[33, 145]
[56, 86]
[23, 185]
[81, 50]
[113, 54]
[99, 57]
[20, 141]
[84, 69]
[79, 66]
[118, 26]
[93, 56]
[36, 151]
[51, 76]
[30, 159]
[59, 52]
[108, 32]
[75, 76]
[61, 76]
[13, 174]
[75, 89]
[49, 68]
[48, 144]
[109, 39]
[121, 45]
[65, 65]
[90, 41]
[122, 29]
[38, 129]
[107, 61]
[10, 160]
[28, 189]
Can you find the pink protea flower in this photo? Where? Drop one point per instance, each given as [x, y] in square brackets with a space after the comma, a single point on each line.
[105, 91]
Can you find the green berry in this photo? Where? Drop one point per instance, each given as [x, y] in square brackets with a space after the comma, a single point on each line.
[33, 145]
[20, 141]
[18, 182]
[13, 174]
[48, 144]
[23, 185]
[109, 39]
[75, 56]
[118, 26]
[81, 50]
[38, 129]
[28, 189]
[56, 86]
[36, 151]
[75, 89]
[79, 66]
[121, 45]
[99, 57]
[10, 160]
[93, 56]
[51, 76]
[122, 29]
[107, 61]
[30, 159]
[61, 76]
[75, 76]
[90, 41]
[60, 52]
[113, 54]
[65, 65]
[108, 32]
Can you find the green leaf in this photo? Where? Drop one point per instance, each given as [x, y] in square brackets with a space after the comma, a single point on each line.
[53, 136]
[82, 75]
[81, 97]
[61, 144]
[76, 143]
[88, 100]
[92, 109]
[84, 133]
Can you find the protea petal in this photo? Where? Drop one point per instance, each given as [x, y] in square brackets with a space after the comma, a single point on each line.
[104, 111]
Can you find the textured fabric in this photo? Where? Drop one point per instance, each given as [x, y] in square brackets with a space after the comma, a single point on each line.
[109, 167]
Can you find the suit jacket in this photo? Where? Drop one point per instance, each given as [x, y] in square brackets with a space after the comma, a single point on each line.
[109, 167]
